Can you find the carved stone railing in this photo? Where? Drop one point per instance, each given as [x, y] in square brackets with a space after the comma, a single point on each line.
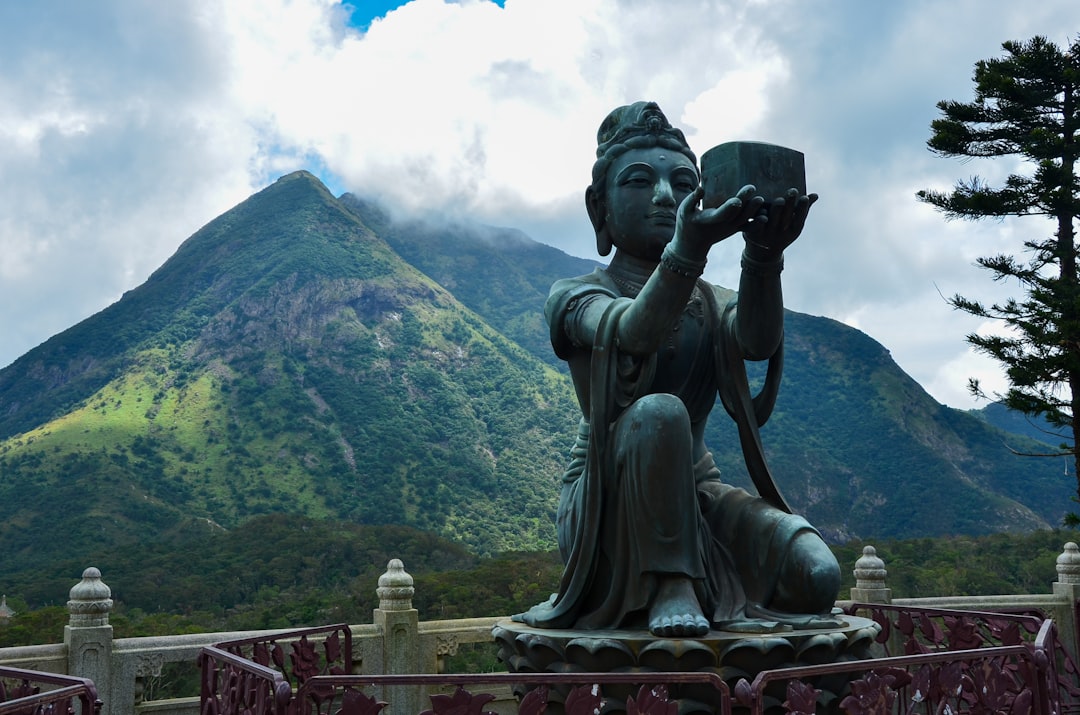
[398, 643]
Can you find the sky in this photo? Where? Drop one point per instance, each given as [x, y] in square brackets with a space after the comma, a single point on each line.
[126, 125]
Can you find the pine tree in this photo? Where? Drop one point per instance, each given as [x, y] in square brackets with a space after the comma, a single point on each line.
[1027, 104]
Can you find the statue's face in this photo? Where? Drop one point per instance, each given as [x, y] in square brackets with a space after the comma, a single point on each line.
[644, 190]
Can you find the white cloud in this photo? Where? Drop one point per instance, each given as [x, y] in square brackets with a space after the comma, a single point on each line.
[125, 125]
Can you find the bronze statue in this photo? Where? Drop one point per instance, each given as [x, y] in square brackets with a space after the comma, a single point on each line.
[649, 534]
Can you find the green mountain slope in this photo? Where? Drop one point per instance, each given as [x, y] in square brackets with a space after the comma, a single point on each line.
[305, 355]
[864, 451]
[1036, 429]
[855, 443]
[284, 360]
[499, 273]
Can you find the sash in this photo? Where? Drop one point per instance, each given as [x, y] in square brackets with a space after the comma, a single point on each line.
[749, 413]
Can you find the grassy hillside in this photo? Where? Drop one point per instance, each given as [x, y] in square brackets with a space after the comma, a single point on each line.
[865, 452]
[288, 571]
[854, 442]
[499, 273]
[284, 360]
[288, 359]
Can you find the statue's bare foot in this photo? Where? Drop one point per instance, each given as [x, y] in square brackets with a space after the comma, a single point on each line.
[675, 610]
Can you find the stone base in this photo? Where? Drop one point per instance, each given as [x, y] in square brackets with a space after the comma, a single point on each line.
[731, 655]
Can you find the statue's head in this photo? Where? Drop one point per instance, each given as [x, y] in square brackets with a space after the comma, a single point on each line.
[641, 125]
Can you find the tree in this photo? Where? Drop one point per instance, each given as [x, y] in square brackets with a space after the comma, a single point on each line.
[1027, 104]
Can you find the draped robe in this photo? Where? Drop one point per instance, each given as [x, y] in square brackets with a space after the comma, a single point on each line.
[632, 511]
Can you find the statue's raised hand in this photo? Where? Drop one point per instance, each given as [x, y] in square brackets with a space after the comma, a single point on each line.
[778, 223]
[697, 229]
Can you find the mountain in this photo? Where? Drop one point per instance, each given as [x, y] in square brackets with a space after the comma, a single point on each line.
[863, 450]
[1037, 429]
[856, 444]
[285, 359]
[304, 354]
[500, 273]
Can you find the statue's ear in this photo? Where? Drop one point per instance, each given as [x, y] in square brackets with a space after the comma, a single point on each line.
[594, 204]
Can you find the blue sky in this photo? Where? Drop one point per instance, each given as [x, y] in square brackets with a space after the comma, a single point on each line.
[362, 12]
[126, 126]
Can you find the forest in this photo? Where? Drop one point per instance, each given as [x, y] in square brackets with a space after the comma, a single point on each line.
[281, 571]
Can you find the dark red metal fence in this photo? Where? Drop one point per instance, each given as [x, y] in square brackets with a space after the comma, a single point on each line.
[29, 692]
[931, 661]
[259, 675]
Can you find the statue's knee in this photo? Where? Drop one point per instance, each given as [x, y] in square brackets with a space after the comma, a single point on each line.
[823, 582]
[656, 430]
[661, 411]
[810, 578]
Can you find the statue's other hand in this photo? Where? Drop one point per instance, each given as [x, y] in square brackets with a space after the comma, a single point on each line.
[777, 224]
[698, 229]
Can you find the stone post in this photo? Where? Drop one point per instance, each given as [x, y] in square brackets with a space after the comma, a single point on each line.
[88, 635]
[870, 579]
[1067, 589]
[399, 623]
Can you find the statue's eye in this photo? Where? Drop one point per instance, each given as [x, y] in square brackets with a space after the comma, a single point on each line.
[684, 181]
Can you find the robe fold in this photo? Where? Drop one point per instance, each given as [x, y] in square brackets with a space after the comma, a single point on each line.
[635, 509]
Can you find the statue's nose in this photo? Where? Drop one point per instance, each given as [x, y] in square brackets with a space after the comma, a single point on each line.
[663, 195]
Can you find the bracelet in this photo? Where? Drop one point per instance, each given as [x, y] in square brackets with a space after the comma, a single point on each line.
[763, 269]
[675, 263]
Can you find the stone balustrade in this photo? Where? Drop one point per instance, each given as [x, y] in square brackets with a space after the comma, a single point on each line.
[397, 642]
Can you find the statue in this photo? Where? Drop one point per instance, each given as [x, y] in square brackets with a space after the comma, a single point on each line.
[650, 535]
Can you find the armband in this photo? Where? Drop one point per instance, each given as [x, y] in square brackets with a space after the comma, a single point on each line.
[762, 269]
[675, 263]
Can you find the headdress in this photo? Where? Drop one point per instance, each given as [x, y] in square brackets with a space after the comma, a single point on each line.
[635, 126]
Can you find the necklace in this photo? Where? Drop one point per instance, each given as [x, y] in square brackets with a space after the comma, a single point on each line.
[630, 288]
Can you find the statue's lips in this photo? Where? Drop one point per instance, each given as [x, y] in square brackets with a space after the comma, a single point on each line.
[662, 217]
